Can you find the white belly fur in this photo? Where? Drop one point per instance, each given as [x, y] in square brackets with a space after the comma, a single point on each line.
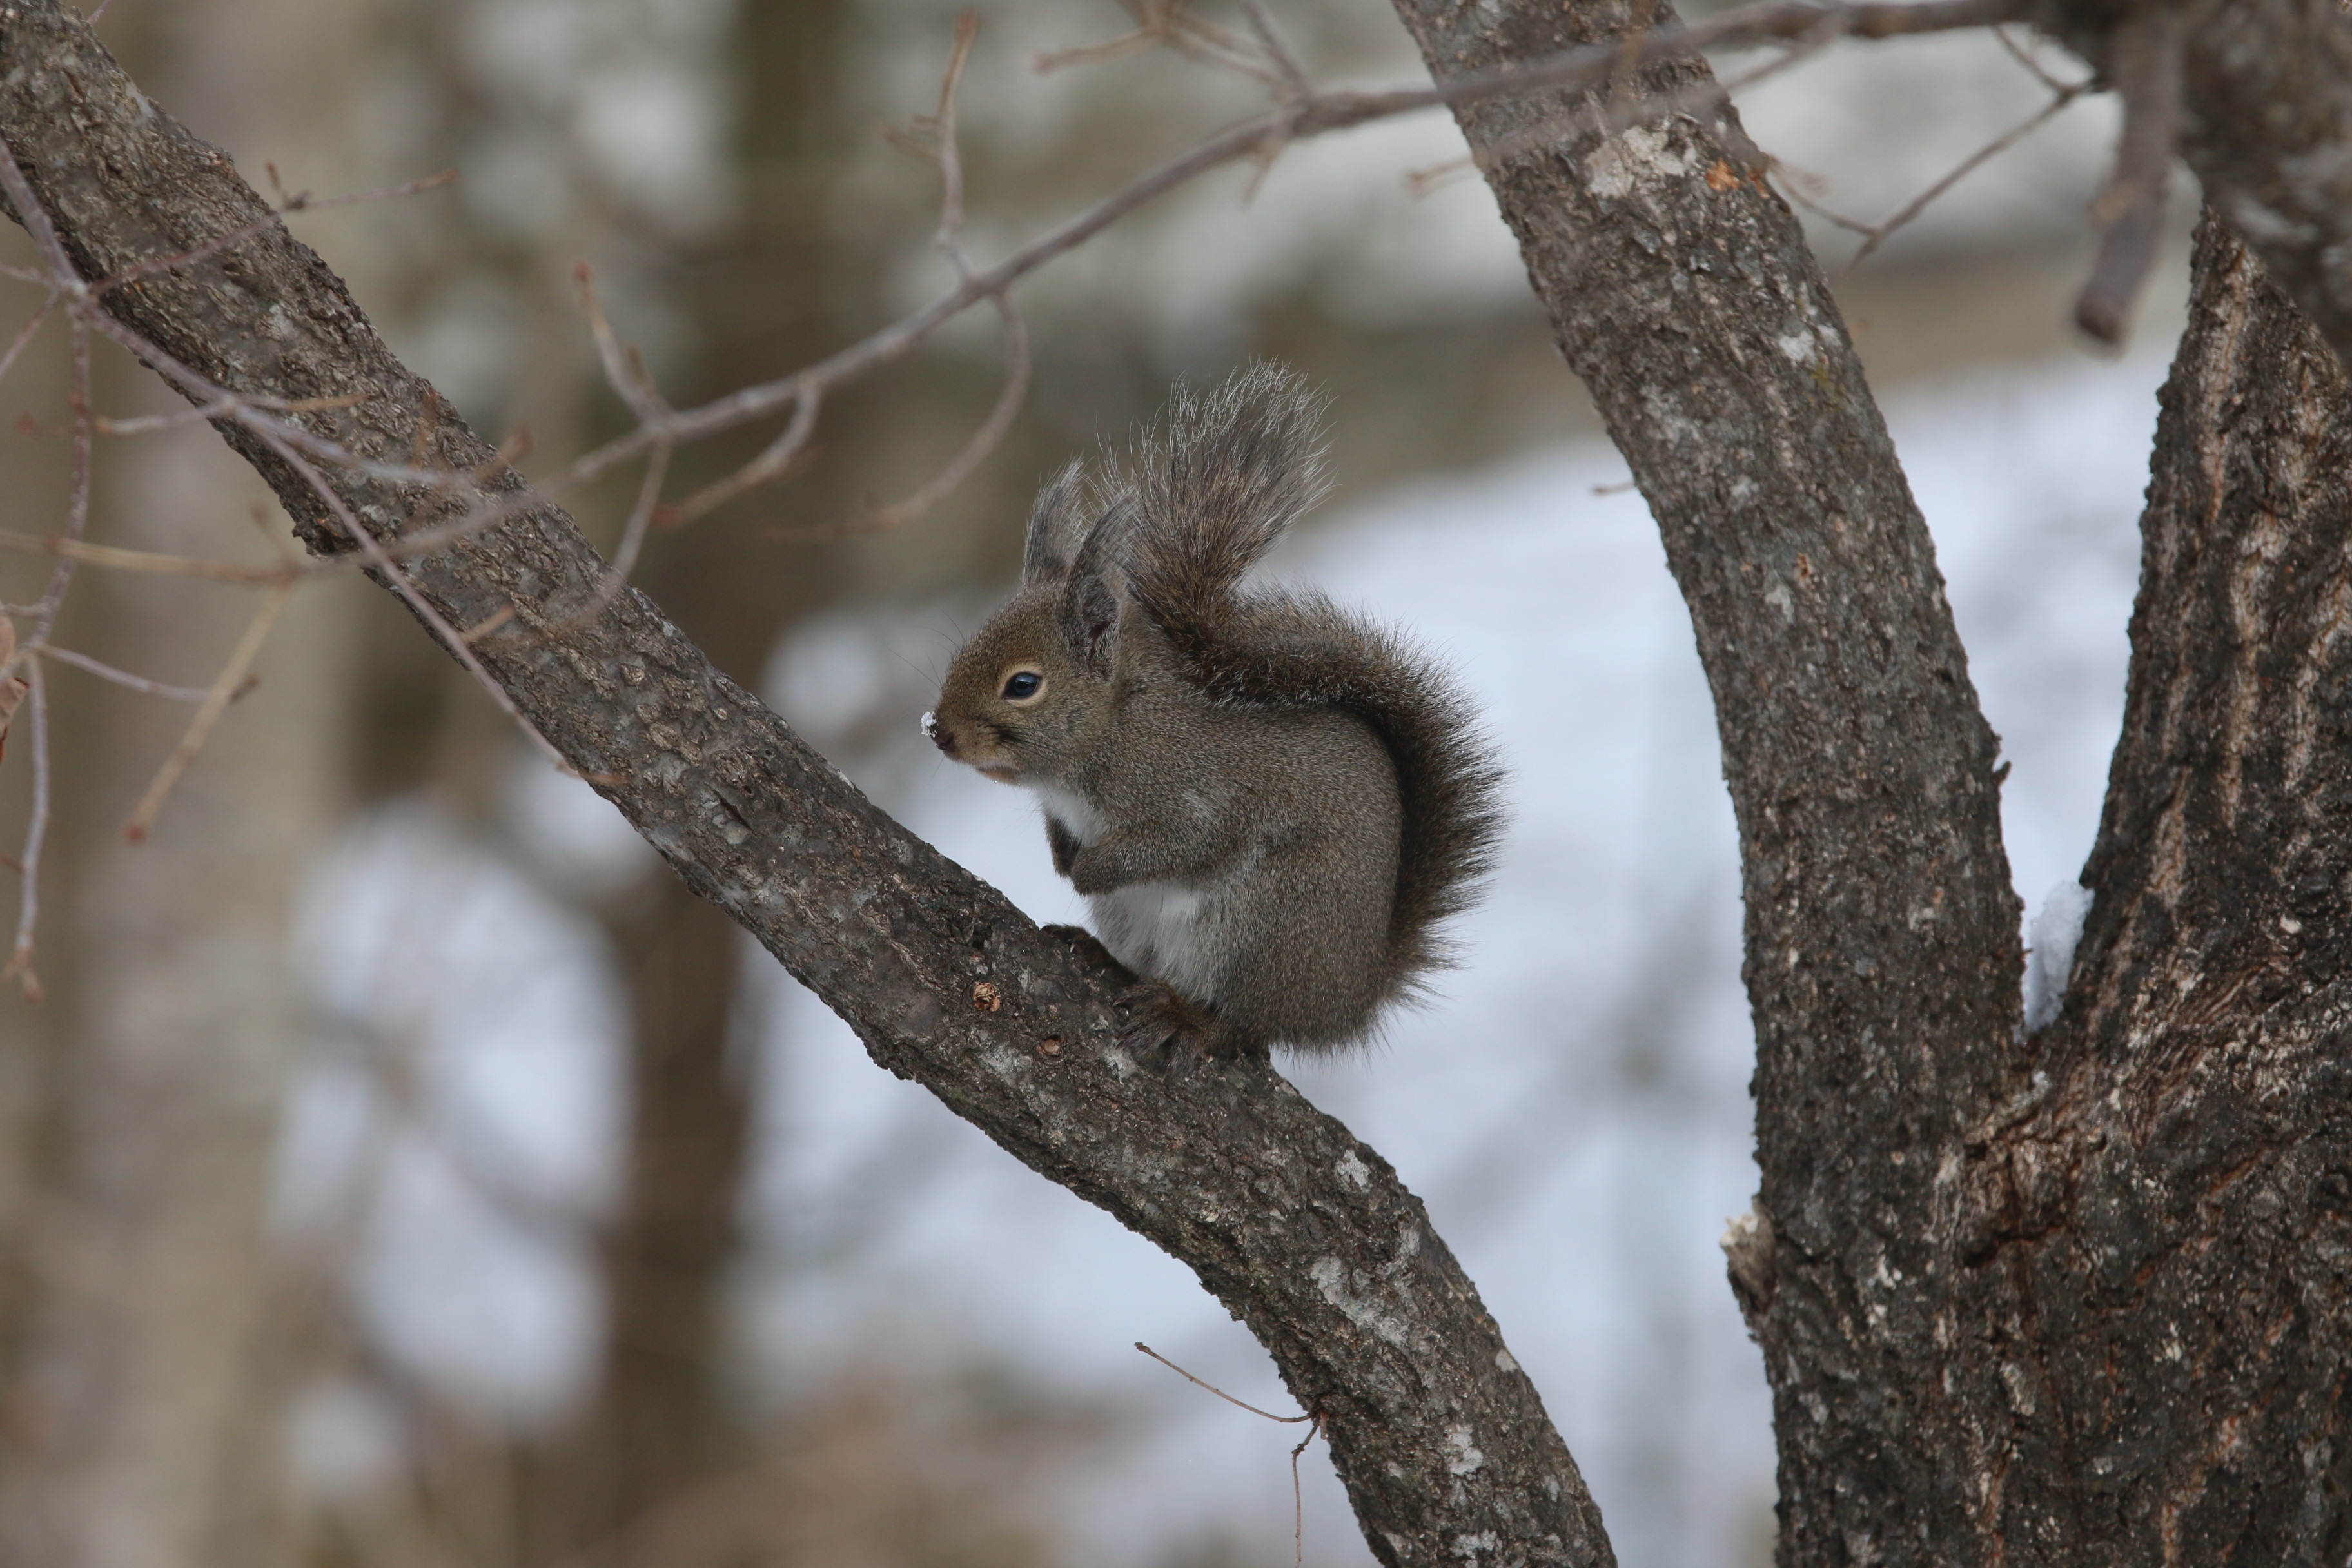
[1163, 930]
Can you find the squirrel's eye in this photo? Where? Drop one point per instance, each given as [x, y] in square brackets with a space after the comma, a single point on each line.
[1023, 685]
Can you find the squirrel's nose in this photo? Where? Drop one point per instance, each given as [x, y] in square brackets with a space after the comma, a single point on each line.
[937, 733]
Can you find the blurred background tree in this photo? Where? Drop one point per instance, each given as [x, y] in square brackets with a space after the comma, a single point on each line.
[404, 1169]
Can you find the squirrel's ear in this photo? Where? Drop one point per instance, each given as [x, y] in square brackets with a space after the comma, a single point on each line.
[1093, 593]
[1056, 528]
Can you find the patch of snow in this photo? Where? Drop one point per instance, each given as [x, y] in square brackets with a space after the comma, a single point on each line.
[2051, 939]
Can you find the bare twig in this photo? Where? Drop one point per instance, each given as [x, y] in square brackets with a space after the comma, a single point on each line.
[225, 689]
[2146, 65]
[36, 831]
[1278, 48]
[1873, 238]
[983, 441]
[53, 597]
[624, 372]
[1168, 23]
[135, 682]
[1172, 1366]
[31, 327]
[625, 558]
[2019, 53]
[121, 560]
[770, 466]
[1315, 1425]
[947, 154]
[398, 581]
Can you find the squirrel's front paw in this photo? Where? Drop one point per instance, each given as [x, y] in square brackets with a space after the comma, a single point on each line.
[1163, 1028]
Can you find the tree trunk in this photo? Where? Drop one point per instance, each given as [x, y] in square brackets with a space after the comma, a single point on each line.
[2067, 1300]
[1882, 933]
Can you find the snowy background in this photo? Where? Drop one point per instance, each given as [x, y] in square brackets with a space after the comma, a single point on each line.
[1574, 1107]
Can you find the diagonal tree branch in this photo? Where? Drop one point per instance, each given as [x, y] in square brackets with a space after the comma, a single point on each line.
[1882, 934]
[1303, 1232]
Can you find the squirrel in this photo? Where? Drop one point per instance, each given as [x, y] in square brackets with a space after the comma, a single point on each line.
[1270, 803]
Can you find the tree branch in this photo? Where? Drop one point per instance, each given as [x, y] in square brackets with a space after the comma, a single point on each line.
[1304, 1233]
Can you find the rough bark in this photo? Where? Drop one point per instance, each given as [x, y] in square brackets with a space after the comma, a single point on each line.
[2155, 1326]
[1303, 1232]
[1881, 933]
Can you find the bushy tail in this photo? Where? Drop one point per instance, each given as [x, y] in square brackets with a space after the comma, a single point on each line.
[1208, 496]
[1211, 489]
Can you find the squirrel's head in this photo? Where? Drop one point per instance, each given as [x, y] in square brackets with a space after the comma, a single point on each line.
[1028, 697]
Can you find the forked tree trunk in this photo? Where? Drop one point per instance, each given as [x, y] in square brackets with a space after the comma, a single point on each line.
[2080, 1298]
[2153, 1320]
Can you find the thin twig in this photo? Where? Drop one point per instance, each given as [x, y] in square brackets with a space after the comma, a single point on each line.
[33, 325]
[1172, 1366]
[624, 559]
[1299, 1493]
[225, 689]
[947, 154]
[37, 832]
[771, 465]
[625, 373]
[121, 560]
[1278, 48]
[1315, 1425]
[2018, 52]
[398, 581]
[1878, 236]
[984, 440]
[61, 576]
[135, 682]
[975, 452]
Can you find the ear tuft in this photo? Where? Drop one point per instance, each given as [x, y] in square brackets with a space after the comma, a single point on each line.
[1058, 527]
[1094, 589]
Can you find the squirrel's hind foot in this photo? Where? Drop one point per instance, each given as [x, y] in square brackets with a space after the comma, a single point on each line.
[1177, 1035]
